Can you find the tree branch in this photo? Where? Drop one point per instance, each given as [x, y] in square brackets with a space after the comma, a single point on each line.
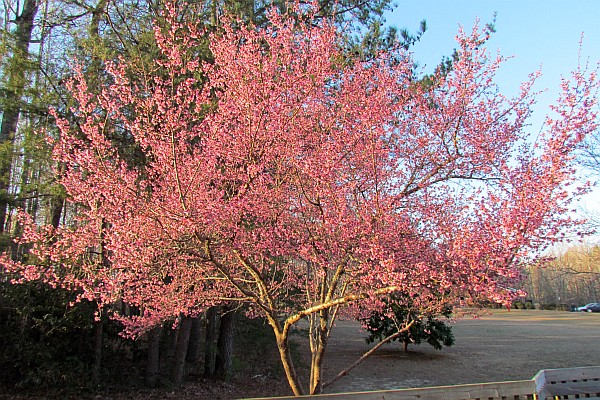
[368, 353]
[340, 300]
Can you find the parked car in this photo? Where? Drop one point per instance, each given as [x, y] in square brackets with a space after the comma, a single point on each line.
[591, 307]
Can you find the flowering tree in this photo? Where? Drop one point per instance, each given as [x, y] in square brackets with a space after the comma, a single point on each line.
[305, 184]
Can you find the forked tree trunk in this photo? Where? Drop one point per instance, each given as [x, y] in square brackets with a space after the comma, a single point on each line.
[224, 359]
[153, 360]
[183, 338]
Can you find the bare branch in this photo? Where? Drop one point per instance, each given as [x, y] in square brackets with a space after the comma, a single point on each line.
[368, 353]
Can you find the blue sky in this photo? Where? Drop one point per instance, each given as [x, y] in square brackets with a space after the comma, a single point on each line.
[536, 33]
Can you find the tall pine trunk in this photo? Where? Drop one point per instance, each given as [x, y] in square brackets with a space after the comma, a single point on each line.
[153, 360]
[224, 360]
[183, 337]
[13, 96]
[97, 366]
[210, 350]
[193, 352]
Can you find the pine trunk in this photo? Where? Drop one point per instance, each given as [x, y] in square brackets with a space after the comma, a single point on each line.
[13, 96]
[153, 360]
[210, 350]
[98, 336]
[57, 202]
[224, 359]
[183, 338]
[193, 353]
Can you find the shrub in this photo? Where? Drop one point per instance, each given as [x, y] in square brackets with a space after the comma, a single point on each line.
[397, 313]
[47, 342]
[529, 305]
[519, 305]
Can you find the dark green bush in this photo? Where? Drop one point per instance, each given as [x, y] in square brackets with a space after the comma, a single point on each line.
[398, 312]
[518, 305]
[529, 305]
[48, 342]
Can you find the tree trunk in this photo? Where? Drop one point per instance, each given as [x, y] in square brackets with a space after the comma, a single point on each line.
[57, 202]
[12, 107]
[288, 364]
[405, 346]
[316, 377]
[224, 359]
[183, 338]
[318, 352]
[56, 209]
[152, 363]
[369, 353]
[95, 67]
[193, 352]
[169, 354]
[210, 350]
[97, 367]
[18, 249]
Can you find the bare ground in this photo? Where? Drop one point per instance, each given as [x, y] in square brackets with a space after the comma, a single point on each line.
[502, 346]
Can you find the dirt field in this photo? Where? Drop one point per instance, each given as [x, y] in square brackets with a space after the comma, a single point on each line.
[503, 346]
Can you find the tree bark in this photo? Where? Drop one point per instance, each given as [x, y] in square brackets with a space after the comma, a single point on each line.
[193, 352]
[288, 364]
[183, 338]
[94, 34]
[321, 336]
[12, 107]
[18, 249]
[210, 350]
[153, 360]
[98, 336]
[57, 202]
[169, 354]
[224, 360]
[56, 209]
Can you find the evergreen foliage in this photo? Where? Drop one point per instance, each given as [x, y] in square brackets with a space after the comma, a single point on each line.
[398, 313]
[44, 341]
